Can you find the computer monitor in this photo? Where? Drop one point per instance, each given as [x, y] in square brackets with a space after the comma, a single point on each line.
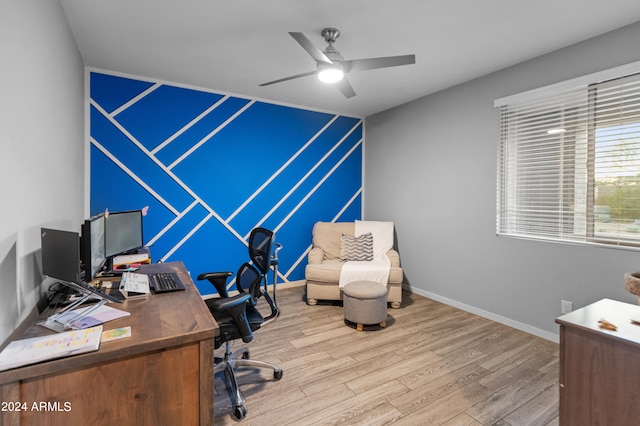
[61, 254]
[122, 232]
[93, 246]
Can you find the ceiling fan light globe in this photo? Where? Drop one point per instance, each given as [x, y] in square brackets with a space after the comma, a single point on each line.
[330, 75]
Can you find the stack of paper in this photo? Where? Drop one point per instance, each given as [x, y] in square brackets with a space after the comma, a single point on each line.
[134, 285]
[128, 259]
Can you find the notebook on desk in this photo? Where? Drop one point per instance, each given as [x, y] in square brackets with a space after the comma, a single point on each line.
[42, 348]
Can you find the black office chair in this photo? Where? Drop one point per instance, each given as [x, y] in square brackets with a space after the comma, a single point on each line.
[237, 318]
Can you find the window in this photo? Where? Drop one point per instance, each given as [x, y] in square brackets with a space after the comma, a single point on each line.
[569, 162]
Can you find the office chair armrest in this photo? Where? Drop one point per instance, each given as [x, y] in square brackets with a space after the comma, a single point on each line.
[316, 255]
[236, 307]
[274, 257]
[219, 281]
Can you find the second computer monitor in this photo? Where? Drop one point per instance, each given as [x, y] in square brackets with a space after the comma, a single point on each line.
[93, 246]
[122, 232]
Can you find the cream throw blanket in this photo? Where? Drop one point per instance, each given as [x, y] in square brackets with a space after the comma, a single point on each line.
[379, 268]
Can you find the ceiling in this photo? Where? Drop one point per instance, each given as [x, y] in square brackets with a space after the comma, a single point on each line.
[233, 46]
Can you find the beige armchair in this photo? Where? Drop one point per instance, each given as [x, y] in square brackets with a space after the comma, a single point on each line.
[323, 269]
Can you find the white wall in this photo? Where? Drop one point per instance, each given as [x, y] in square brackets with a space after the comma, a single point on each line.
[431, 168]
[41, 145]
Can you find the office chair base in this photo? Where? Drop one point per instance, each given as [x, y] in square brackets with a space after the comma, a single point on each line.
[226, 366]
[229, 364]
[277, 371]
[240, 412]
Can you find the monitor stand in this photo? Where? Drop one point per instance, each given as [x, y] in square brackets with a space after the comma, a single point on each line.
[54, 322]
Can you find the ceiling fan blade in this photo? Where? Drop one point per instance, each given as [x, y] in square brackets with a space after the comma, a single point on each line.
[374, 63]
[345, 87]
[304, 74]
[306, 44]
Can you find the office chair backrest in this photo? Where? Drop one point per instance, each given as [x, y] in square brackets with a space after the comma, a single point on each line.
[261, 245]
[248, 280]
[260, 248]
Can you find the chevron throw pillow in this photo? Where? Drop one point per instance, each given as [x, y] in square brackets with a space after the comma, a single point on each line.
[356, 248]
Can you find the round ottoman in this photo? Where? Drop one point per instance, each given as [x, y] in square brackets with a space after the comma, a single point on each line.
[365, 302]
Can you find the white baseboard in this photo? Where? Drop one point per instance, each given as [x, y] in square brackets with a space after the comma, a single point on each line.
[290, 284]
[281, 285]
[486, 314]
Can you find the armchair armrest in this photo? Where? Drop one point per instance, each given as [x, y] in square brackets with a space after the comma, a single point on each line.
[394, 257]
[316, 255]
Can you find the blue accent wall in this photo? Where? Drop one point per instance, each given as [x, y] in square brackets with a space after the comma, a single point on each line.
[211, 167]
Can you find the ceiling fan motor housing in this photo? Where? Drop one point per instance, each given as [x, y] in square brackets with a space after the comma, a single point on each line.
[330, 35]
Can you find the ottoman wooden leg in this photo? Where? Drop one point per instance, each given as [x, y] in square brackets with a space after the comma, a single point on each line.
[359, 327]
[383, 324]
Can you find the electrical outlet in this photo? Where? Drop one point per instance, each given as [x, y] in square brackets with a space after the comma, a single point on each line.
[566, 306]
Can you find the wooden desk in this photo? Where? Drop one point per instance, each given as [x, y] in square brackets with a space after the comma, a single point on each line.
[162, 375]
[600, 369]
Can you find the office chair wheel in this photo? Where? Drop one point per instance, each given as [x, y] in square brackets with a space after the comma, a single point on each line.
[245, 355]
[277, 374]
[240, 412]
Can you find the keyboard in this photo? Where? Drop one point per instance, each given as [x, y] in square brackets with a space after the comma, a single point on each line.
[163, 282]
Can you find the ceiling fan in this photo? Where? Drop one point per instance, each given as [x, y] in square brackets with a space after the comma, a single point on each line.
[331, 66]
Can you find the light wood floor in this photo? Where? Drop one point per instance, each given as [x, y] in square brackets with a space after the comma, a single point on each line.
[432, 365]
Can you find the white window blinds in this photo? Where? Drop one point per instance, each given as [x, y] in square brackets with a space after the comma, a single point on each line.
[569, 164]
